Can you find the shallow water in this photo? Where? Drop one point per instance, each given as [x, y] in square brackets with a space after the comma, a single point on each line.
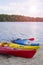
[12, 30]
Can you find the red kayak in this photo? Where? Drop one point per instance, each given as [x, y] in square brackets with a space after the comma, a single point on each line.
[17, 52]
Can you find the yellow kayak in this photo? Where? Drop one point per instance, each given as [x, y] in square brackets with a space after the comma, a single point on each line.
[13, 45]
[18, 46]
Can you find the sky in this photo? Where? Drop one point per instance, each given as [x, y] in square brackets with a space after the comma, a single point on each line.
[32, 8]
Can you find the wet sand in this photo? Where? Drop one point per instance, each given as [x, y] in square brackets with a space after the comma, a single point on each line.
[11, 60]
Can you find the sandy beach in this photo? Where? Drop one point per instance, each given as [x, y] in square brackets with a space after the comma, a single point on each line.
[11, 60]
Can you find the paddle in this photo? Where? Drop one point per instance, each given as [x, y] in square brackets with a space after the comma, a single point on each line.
[31, 39]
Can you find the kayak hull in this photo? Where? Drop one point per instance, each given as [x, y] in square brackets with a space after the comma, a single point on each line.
[17, 52]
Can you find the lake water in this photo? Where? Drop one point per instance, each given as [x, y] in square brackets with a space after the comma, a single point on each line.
[12, 30]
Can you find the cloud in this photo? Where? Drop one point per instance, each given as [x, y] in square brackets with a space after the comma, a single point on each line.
[17, 8]
[26, 7]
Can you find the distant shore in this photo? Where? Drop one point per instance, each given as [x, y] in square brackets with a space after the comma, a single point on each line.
[19, 18]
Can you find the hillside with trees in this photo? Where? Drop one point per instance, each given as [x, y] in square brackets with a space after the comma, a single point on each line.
[16, 18]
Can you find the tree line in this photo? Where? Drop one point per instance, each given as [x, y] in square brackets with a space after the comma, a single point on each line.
[18, 18]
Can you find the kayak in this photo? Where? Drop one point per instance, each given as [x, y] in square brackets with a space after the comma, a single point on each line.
[24, 42]
[20, 41]
[16, 52]
[26, 47]
[18, 46]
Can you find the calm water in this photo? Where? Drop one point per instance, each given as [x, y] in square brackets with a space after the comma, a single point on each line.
[12, 30]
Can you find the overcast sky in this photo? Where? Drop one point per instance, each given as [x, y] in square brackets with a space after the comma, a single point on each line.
[32, 8]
